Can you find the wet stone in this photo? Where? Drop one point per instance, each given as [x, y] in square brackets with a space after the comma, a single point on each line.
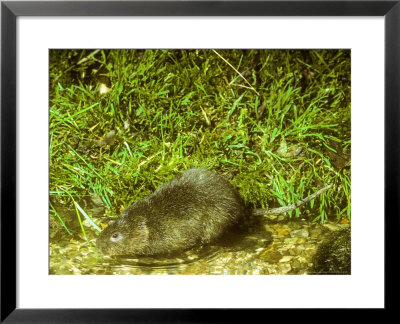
[299, 233]
[290, 251]
[298, 250]
[286, 258]
[284, 268]
[284, 232]
[296, 264]
[332, 227]
[315, 232]
[271, 256]
[291, 240]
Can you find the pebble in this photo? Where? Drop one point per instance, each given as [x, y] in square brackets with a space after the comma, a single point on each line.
[332, 227]
[271, 256]
[299, 233]
[316, 232]
[291, 251]
[286, 258]
[285, 231]
[285, 268]
[296, 264]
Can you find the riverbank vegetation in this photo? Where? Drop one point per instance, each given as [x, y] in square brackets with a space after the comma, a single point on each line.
[277, 123]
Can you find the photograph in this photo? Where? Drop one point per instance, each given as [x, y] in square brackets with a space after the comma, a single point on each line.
[199, 161]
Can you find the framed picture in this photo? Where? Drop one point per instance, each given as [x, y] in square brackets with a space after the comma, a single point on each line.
[287, 108]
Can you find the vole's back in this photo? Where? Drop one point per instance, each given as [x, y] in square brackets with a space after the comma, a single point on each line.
[192, 209]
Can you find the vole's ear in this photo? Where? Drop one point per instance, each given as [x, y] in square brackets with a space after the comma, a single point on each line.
[127, 210]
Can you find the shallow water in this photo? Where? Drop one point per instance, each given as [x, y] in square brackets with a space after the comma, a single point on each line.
[265, 247]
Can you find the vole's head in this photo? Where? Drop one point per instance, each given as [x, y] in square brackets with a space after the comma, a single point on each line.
[124, 236]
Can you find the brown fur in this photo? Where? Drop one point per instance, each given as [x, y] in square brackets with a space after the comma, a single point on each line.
[192, 209]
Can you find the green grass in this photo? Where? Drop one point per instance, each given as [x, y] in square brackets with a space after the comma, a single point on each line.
[176, 109]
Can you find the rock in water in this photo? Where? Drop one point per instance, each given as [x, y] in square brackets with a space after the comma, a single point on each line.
[333, 256]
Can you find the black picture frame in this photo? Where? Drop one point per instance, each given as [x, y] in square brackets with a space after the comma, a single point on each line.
[10, 10]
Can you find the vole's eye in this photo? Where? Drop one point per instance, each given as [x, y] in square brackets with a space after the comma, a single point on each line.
[115, 236]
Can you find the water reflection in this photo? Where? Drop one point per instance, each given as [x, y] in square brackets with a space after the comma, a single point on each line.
[261, 247]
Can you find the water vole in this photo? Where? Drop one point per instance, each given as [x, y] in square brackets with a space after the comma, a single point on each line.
[192, 209]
